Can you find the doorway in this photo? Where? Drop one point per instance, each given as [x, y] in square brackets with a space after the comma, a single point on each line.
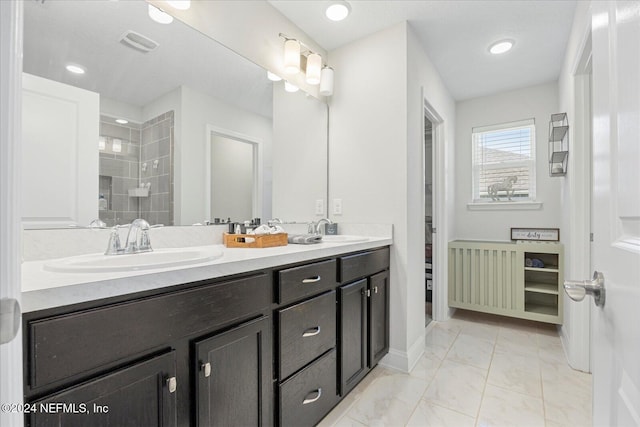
[428, 218]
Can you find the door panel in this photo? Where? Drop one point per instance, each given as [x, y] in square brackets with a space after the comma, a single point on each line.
[616, 210]
[378, 317]
[353, 334]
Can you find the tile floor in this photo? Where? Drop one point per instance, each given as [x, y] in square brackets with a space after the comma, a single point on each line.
[477, 370]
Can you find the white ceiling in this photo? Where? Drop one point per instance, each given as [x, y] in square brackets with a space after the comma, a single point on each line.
[57, 32]
[456, 36]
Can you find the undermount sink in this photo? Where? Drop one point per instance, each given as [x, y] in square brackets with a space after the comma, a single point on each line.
[159, 258]
[343, 238]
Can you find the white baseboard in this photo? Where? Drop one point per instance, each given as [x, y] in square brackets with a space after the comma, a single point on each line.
[404, 361]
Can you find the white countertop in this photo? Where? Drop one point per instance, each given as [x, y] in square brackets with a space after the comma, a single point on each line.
[43, 289]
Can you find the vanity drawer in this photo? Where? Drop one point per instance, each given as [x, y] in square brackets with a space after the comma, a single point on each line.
[309, 395]
[299, 282]
[306, 331]
[364, 264]
[78, 344]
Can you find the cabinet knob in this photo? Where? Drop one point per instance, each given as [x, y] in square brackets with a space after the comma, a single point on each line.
[312, 279]
[311, 332]
[172, 384]
[306, 401]
[206, 367]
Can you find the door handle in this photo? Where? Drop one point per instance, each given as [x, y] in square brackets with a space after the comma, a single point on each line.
[578, 289]
[9, 319]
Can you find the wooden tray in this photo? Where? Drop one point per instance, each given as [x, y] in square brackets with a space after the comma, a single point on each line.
[254, 241]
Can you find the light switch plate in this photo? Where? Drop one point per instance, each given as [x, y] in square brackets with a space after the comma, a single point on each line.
[337, 206]
[319, 207]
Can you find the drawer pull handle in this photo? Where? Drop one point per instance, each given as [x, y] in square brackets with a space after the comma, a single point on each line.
[314, 399]
[312, 279]
[172, 384]
[206, 367]
[311, 332]
[375, 289]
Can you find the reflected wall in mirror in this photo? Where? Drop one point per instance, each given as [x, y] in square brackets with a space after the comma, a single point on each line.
[171, 83]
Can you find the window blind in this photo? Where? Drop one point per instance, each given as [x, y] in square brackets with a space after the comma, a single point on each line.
[502, 151]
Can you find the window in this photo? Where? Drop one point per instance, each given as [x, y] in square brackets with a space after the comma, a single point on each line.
[503, 151]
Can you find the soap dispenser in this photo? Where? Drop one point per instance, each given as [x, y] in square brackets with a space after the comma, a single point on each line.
[102, 203]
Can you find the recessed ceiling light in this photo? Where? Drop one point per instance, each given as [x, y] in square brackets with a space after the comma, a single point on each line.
[75, 69]
[501, 47]
[338, 10]
[159, 16]
[179, 4]
[122, 121]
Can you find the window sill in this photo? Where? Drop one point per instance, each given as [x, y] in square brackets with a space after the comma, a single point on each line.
[504, 206]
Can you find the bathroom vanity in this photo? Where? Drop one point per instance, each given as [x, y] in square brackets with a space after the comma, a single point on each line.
[281, 344]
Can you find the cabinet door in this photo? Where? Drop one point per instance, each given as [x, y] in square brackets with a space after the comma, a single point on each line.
[234, 376]
[378, 317]
[139, 395]
[352, 334]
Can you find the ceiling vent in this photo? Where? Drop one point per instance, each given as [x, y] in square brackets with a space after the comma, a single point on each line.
[138, 42]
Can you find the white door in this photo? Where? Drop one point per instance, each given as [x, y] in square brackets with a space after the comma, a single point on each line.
[10, 333]
[60, 132]
[616, 211]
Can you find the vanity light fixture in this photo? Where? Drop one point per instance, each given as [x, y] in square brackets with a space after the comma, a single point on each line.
[291, 56]
[116, 145]
[122, 121]
[290, 87]
[179, 4]
[159, 16]
[501, 46]
[273, 77]
[75, 69]
[314, 66]
[326, 81]
[338, 10]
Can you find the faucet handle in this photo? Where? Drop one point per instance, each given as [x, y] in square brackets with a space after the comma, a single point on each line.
[311, 228]
[113, 247]
[145, 242]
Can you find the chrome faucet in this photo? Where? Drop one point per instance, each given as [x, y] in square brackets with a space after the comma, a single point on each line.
[318, 225]
[137, 239]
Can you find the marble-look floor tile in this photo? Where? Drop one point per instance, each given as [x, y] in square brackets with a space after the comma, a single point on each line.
[471, 350]
[502, 407]
[426, 367]
[458, 387]
[480, 330]
[339, 411]
[349, 422]
[516, 372]
[567, 394]
[390, 399]
[438, 341]
[430, 415]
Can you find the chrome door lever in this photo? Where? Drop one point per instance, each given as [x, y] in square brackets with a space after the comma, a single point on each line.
[578, 289]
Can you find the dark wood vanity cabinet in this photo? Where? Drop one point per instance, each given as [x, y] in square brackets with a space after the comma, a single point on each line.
[275, 347]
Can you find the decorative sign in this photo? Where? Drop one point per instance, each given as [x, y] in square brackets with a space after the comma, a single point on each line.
[538, 234]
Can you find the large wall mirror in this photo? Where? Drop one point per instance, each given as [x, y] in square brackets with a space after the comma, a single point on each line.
[161, 123]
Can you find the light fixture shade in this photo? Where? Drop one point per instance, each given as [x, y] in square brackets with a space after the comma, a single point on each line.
[291, 56]
[75, 69]
[338, 10]
[116, 145]
[179, 4]
[102, 143]
[273, 77]
[159, 16]
[290, 87]
[314, 67]
[326, 82]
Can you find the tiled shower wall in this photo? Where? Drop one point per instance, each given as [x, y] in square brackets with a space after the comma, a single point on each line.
[146, 156]
[156, 160]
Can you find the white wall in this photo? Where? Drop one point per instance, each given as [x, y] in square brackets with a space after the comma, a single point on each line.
[118, 109]
[575, 190]
[537, 102]
[375, 149]
[299, 155]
